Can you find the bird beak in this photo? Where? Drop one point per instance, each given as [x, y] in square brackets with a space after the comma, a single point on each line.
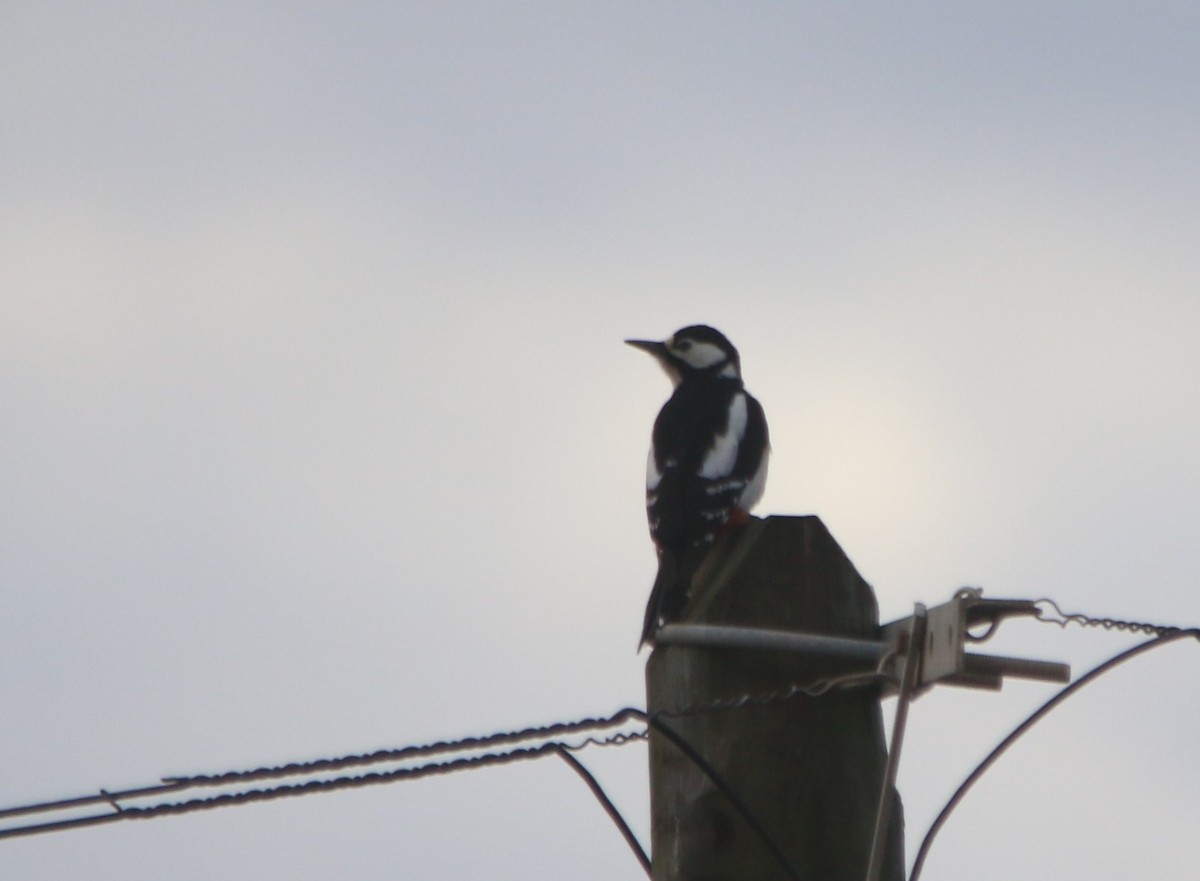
[661, 354]
[652, 347]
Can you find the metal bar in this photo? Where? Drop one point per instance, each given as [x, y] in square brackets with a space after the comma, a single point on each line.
[908, 685]
[976, 670]
[1022, 668]
[978, 681]
[717, 636]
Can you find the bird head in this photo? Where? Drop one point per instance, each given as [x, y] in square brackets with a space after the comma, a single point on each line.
[694, 351]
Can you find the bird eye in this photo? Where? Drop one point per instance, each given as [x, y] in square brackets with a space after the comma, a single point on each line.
[683, 345]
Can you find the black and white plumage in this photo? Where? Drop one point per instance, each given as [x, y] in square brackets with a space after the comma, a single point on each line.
[707, 464]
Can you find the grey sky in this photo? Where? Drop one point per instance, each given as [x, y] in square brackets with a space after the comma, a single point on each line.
[317, 434]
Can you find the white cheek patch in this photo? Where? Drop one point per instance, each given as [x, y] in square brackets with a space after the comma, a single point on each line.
[721, 456]
[700, 355]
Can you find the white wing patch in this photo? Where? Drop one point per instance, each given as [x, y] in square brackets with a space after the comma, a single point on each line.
[754, 489]
[721, 456]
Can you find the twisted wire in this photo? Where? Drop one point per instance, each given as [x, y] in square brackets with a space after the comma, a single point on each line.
[1065, 618]
[815, 688]
[129, 812]
[296, 769]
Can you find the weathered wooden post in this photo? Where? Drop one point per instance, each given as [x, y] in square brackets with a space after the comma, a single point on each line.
[809, 769]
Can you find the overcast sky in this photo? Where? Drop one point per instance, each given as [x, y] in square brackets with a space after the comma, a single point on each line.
[317, 434]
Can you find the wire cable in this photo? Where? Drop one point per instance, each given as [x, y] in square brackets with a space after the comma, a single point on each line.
[102, 797]
[117, 800]
[614, 814]
[1165, 637]
[121, 811]
[294, 769]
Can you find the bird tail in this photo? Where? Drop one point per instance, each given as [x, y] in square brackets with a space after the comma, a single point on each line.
[664, 585]
[670, 591]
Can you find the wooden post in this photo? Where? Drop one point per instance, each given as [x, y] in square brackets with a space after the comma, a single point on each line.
[809, 769]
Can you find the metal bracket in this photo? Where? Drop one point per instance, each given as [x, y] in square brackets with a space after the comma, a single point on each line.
[951, 626]
[914, 654]
[930, 647]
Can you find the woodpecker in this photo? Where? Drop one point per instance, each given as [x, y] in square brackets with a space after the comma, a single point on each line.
[708, 461]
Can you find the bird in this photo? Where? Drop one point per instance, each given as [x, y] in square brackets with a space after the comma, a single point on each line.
[707, 465]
